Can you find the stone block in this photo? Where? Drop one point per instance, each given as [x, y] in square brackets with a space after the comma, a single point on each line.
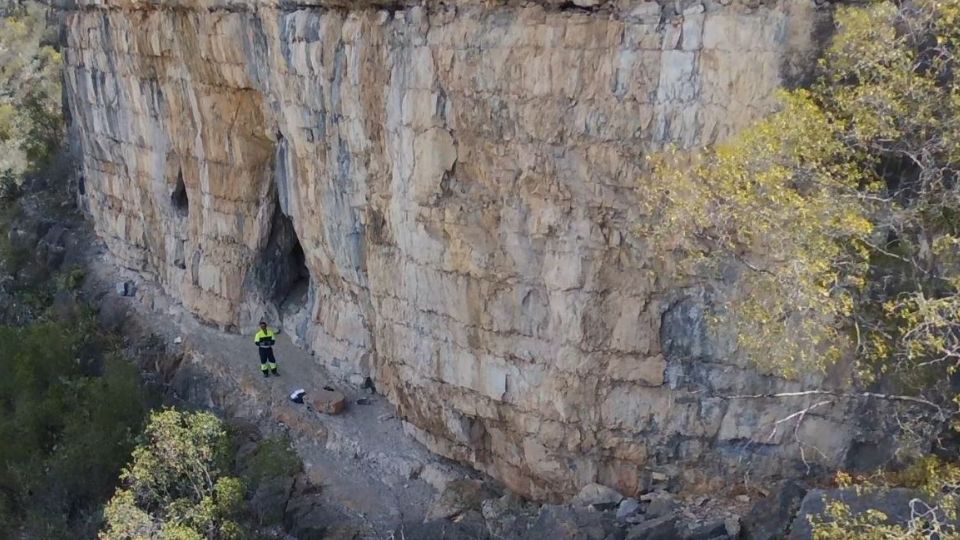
[327, 400]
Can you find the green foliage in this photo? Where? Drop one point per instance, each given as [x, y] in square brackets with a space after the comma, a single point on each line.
[177, 485]
[780, 202]
[840, 217]
[272, 458]
[73, 279]
[934, 515]
[31, 121]
[69, 416]
[840, 213]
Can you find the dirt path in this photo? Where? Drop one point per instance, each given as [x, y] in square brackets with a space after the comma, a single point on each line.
[373, 476]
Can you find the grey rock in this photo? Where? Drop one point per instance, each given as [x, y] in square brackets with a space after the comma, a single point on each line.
[770, 517]
[627, 508]
[573, 523]
[468, 526]
[508, 516]
[458, 497]
[661, 505]
[711, 530]
[662, 528]
[894, 503]
[732, 525]
[112, 314]
[306, 517]
[597, 495]
[269, 499]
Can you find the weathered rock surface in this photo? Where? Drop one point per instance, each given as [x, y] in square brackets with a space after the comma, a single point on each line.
[770, 518]
[441, 198]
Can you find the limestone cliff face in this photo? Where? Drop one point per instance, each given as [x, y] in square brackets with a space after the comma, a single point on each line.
[441, 198]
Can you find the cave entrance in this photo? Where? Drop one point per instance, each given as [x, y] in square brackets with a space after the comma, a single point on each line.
[283, 273]
[179, 200]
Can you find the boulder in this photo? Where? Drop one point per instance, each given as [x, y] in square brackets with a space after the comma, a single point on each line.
[458, 497]
[770, 517]
[661, 528]
[508, 516]
[327, 401]
[661, 504]
[628, 507]
[573, 523]
[711, 530]
[466, 526]
[598, 496]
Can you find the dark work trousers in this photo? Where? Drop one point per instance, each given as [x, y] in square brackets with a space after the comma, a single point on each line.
[267, 361]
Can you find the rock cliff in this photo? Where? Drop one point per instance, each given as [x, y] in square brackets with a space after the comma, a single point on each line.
[440, 197]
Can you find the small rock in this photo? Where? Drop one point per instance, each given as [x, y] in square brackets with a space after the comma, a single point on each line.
[385, 417]
[743, 498]
[356, 380]
[661, 505]
[598, 496]
[658, 476]
[627, 508]
[694, 9]
[328, 401]
[177, 340]
[732, 525]
[438, 475]
[586, 3]
[663, 528]
[710, 530]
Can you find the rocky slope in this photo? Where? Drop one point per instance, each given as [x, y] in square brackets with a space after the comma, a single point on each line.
[440, 197]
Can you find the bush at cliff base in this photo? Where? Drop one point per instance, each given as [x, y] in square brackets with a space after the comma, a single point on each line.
[839, 218]
[176, 485]
[69, 416]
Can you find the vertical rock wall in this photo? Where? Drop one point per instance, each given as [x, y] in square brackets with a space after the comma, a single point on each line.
[457, 184]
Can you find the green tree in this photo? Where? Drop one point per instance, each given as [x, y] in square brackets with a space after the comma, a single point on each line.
[839, 217]
[840, 213]
[31, 120]
[176, 485]
[68, 417]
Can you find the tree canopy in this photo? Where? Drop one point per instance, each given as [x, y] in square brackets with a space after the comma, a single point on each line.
[176, 485]
[837, 219]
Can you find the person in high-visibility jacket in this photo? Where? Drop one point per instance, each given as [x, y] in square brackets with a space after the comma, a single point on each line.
[265, 339]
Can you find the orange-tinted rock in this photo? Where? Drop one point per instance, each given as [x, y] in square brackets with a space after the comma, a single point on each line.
[327, 401]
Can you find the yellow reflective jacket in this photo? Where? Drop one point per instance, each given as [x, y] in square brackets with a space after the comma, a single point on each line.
[265, 338]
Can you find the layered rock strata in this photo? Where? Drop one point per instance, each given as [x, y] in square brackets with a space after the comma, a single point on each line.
[441, 197]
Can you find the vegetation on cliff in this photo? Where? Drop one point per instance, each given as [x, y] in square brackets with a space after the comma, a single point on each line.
[31, 121]
[70, 411]
[840, 216]
[177, 484]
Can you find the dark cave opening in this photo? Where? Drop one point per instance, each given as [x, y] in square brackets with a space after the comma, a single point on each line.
[179, 199]
[282, 272]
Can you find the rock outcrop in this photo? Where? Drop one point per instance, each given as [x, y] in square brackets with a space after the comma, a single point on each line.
[441, 197]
